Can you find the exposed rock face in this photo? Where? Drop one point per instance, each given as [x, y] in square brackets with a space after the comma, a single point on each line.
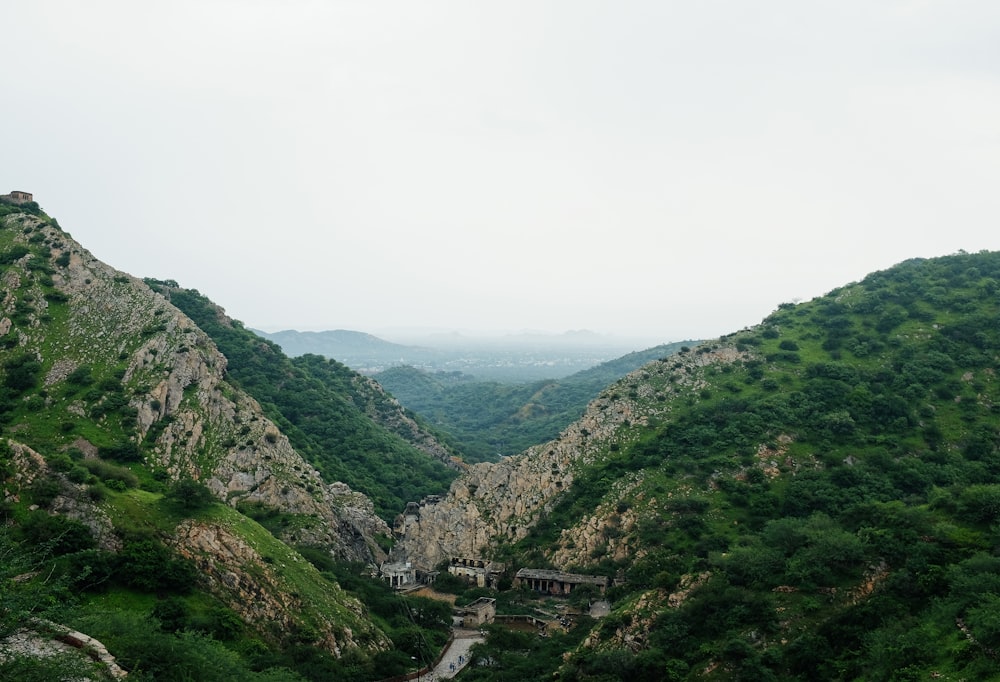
[241, 576]
[191, 421]
[500, 502]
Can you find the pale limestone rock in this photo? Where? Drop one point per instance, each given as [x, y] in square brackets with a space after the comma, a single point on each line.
[499, 502]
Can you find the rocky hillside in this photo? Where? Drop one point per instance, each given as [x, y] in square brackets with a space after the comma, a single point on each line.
[109, 391]
[817, 497]
[489, 419]
[497, 504]
[342, 422]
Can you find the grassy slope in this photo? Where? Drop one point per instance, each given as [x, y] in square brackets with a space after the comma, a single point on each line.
[836, 493]
[136, 598]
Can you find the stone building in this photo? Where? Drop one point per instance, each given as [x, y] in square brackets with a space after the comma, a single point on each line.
[556, 582]
[17, 197]
[478, 613]
[483, 573]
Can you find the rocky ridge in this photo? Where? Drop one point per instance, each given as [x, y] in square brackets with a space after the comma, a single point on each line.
[494, 503]
[387, 411]
[119, 369]
[197, 424]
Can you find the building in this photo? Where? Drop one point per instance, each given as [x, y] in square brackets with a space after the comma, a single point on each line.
[17, 197]
[399, 574]
[478, 613]
[483, 573]
[556, 582]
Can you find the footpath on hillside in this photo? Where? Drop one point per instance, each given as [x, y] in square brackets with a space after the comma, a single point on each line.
[456, 657]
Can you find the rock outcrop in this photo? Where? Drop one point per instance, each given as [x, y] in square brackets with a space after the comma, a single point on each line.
[499, 502]
[250, 585]
[189, 419]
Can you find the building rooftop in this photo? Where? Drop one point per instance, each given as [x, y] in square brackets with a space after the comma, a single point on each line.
[547, 574]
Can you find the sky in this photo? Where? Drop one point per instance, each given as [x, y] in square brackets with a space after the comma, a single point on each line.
[651, 169]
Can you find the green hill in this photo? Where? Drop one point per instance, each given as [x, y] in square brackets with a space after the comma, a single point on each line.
[814, 498]
[487, 419]
[817, 497]
[342, 423]
[128, 454]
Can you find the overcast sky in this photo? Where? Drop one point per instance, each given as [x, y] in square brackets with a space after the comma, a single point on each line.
[673, 170]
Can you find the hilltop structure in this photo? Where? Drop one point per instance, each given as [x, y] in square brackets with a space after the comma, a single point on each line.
[17, 197]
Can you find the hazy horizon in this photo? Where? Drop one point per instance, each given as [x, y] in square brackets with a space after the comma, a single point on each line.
[660, 170]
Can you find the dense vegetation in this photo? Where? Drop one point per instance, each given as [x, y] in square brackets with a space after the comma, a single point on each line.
[488, 418]
[824, 506]
[149, 607]
[831, 500]
[88, 539]
[317, 404]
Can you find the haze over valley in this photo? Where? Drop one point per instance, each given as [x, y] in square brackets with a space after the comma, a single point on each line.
[507, 357]
[190, 502]
[560, 341]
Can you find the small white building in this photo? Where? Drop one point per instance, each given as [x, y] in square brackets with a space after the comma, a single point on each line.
[398, 574]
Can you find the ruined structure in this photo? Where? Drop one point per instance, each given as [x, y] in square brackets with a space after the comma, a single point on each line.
[478, 613]
[398, 575]
[557, 582]
[479, 571]
[16, 197]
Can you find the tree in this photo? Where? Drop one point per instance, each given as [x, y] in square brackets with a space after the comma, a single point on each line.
[190, 496]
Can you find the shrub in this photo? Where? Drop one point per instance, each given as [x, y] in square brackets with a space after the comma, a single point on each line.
[190, 496]
[121, 452]
[57, 533]
[22, 372]
[106, 471]
[80, 376]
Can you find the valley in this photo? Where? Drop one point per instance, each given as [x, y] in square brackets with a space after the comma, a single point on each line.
[813, 497]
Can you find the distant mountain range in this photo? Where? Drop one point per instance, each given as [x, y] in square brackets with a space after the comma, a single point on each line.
[526, 356]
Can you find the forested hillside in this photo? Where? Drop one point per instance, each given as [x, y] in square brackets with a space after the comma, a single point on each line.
[489, 419]
[817, 497]
[341, 422]
[126, 455]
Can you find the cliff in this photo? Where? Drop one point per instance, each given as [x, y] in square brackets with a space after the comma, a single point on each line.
[498, 503]
[101, 371]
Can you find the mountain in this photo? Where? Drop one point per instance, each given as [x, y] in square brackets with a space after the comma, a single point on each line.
[349, 347]
[817, 497]
[490, 418]
[509, 358]
[135, 465]
[341, 421]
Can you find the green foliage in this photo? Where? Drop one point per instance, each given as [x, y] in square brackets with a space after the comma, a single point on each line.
[57, 534]
[21, 372]
[108, 471]
[190, 496]
[317, 404]
[150, 653]
[874, 411]
[145, 564]
[127, 451]
[487, 419]
[513, 655]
